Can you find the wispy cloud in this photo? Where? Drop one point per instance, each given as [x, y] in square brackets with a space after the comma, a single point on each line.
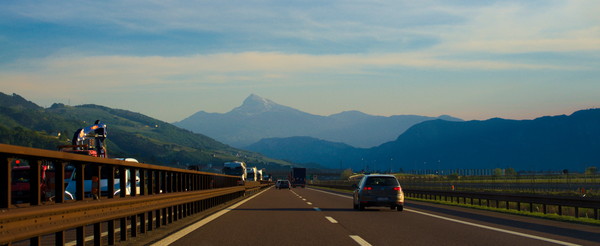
[181, 45]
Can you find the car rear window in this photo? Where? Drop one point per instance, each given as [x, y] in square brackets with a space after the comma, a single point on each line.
[381, 181]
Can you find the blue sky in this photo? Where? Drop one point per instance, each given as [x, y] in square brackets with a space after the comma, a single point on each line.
[170, 59]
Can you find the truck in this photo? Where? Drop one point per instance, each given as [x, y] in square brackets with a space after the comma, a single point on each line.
[259, 175]
[91, 141]
[235, 168]
[298, 177]
[88, 141]
[252, 174]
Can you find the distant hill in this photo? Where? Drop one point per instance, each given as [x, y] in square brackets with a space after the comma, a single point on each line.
[547, 143]
[130, 134]
[259, 118]
[307, 150]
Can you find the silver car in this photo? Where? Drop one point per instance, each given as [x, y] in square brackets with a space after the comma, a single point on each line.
[378, 190]
[282, 184]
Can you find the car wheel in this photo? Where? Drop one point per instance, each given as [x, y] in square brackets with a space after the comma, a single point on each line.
[399, 207]
[361, 207]
[354, 205]
[393, 207]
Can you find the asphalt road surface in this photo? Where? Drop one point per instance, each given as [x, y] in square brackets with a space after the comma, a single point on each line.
[314, 217]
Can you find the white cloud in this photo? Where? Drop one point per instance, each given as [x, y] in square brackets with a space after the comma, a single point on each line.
[113, 73]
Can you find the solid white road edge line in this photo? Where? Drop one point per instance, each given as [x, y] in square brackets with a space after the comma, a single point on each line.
[360, 241]
[181, 233]
[474, 224]
[494, 228]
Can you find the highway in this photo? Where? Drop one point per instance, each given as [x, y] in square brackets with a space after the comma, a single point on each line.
[314, 217]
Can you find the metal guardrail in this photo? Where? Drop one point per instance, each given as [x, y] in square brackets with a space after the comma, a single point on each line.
[496, 199]
[165, 195]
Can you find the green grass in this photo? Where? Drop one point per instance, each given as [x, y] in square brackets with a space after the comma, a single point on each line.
[557, 217]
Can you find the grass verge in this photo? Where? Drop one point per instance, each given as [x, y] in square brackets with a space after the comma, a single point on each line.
[571, 219]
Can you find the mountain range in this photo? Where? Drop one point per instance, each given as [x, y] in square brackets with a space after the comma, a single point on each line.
[258, 118]
[130, 134]
[547, 143]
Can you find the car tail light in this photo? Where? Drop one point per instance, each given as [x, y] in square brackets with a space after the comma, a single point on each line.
[368, 188]
[397, 188]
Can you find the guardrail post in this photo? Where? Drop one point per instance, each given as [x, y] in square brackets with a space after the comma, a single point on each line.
[95, 189]
[150, 182]
[143, 186]
[80, 235]
[59, 238]
[5, 181]
[133, 181]
[123, 225]
[110, 183]
[98, 234]
[79, 181]
[134, 224]
[35, 241]
[59, 184]
[143, 226]
[35, 178]
[123, 182]
[111, 232]
[163, 181]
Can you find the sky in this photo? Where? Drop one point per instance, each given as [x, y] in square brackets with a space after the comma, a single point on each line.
[171, 58]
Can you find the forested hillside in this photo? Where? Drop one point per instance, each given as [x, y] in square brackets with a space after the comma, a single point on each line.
[130, 134]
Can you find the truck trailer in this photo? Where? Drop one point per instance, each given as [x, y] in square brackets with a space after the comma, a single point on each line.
[298, 177]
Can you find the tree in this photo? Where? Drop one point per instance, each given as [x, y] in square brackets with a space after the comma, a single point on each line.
[346, 174]
[498, 172]
[591, 170]
[510, 172]
[453, 176]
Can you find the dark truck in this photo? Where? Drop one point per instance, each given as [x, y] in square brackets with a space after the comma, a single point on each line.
[298, 177]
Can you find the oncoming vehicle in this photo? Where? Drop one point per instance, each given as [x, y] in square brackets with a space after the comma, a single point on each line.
[282, 184]
[378, 190]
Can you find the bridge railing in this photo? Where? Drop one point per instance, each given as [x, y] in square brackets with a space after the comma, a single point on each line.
[560, 205]
[149, 197]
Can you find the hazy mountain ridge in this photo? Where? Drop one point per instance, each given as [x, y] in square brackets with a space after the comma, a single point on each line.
[130, 134]
[259, 118]
[546, 143]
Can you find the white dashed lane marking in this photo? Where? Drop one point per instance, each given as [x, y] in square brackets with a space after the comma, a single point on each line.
[360, 241]
[332, 220]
